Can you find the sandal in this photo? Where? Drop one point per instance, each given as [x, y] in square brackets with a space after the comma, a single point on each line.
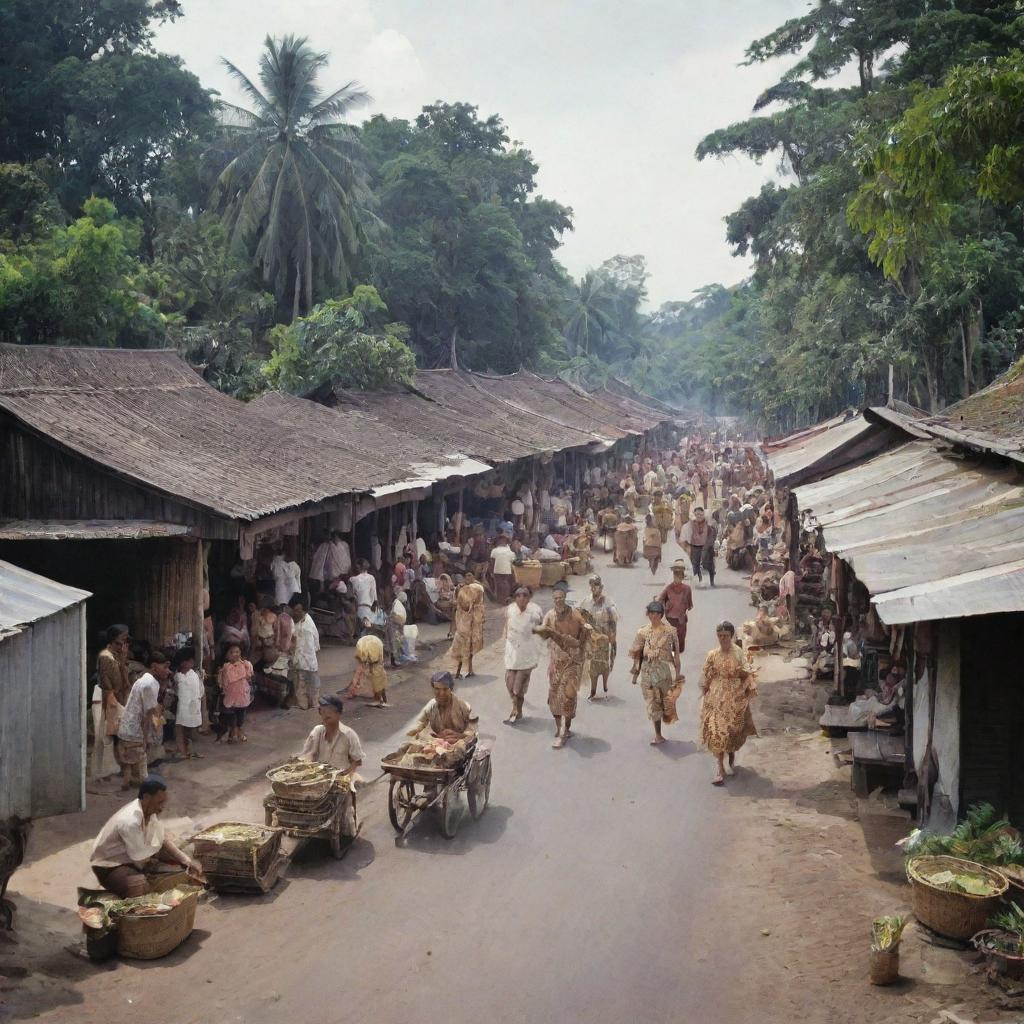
[718, 780]
[195, 757]
[558, 743]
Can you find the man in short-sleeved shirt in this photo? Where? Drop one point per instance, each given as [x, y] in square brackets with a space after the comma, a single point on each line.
[331, 742]
[502, 557]
[522, 649]
[135, 730]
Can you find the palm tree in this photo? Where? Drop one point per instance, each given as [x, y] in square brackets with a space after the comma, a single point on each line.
[591, 316]
[291, 190]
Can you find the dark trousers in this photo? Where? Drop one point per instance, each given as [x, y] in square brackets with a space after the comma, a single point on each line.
[695, 556]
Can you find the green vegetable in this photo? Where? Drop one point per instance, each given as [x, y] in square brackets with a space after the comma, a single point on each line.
[886, 932]
[982, 837]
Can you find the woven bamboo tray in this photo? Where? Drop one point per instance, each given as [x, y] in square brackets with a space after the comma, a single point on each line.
[957, 915]
[149, 938]
[305, 792]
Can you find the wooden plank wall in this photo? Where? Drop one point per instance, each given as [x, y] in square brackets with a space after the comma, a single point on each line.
[41, 481]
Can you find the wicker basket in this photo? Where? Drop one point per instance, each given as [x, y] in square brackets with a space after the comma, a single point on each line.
[528, 574]
[149, 938]
[1007, 964]
[885, 965]
[304, 792]
[957, 915]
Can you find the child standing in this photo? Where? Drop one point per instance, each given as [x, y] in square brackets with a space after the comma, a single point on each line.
[191, 695]
[235, 681]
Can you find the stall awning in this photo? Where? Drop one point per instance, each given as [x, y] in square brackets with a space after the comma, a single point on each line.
[88, 529]
[930, 535]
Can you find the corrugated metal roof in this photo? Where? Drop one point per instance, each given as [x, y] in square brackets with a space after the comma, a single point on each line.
[916, 523]
[88, 529]
[807, 452]
[26, 598]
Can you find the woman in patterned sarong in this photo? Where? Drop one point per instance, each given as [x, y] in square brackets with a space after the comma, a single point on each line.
[725, 719]
[469, 625]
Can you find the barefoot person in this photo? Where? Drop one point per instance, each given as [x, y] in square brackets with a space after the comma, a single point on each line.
[469, 625]
[677, 598]
[605, 617]
[522, 650]
[655, 654]
[566, 633]
[334, 743]
[370, 669]
[652, 544]
[725, 719]
[132, 845]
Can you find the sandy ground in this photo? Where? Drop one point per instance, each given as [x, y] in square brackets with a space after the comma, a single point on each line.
[607, 882]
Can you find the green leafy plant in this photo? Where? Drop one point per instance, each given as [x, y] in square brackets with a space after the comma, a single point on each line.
[886, 932]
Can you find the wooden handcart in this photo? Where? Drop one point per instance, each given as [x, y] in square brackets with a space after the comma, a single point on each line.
[322, 821]
[416, 789]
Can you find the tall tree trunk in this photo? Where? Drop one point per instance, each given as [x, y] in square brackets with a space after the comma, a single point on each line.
[965, 388]
[931, 376]
[975, 332]
[298, 292]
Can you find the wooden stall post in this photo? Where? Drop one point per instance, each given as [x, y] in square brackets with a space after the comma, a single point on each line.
[198, 627]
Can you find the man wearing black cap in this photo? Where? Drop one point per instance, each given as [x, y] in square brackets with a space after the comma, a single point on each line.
[132, 844]
[566, 633]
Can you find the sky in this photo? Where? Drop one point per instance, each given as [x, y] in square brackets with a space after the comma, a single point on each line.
[610, 97]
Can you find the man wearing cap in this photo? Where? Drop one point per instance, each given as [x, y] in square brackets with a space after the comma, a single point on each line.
[132, 844]
[447, 716]
[522, 651]
[331, 742]
[677, 598]
[602, 610]
[566, 632]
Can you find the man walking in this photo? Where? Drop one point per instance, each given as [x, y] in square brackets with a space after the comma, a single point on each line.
[695, 536]
[566, 633]
[522, 651]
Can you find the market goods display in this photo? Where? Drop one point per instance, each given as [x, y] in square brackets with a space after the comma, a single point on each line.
[432, 752]
[954, 897]
[147, 927]
[305, 780]
[886, 933]
[239, 856]
[983, 837]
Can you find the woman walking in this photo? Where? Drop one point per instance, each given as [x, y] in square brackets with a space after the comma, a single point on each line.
[469, 624]
[655, 654]
[725, 719]
[652, 544]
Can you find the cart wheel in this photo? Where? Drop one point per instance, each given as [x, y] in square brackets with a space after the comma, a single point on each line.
[479, 790]
[401, 803]
[452, 810]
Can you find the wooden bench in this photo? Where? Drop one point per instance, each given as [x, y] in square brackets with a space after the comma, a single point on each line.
[838, 721]
[879, 759]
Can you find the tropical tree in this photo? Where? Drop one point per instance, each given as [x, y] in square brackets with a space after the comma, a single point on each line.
[291, 190]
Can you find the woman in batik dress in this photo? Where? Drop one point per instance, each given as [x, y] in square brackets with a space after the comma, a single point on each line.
[725, 719]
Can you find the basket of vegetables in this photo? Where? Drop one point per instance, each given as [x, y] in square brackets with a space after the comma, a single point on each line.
[151, 926]
[1003, 943]
[954, 897]
[237, 850]
[304, 781]
[886, 933]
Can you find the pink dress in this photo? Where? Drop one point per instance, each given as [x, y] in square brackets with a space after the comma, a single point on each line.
[235, 682]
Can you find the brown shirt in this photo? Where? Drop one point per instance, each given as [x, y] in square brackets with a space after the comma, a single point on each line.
[112, 673]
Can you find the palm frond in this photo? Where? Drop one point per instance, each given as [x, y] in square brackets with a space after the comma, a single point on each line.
[232, 116]
[340, 102]
[261, 101]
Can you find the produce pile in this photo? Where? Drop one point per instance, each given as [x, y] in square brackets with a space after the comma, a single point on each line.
[982, 837]
[106, 910]
[962, 881]
[309, 774]
[234, 832]
[432, 752]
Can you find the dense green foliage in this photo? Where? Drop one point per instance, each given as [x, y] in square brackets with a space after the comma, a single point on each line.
[276, 244]
[894, 234]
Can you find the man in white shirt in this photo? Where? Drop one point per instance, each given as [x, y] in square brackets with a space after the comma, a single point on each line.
[318, 567]
[331, 742]
[502, 557]
[133, 843]
[364, 589]
[522, 649]
[339, 559]
[305, 665]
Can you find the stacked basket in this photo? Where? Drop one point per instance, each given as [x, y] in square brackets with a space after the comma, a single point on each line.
[239, 857]
[306, 796]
